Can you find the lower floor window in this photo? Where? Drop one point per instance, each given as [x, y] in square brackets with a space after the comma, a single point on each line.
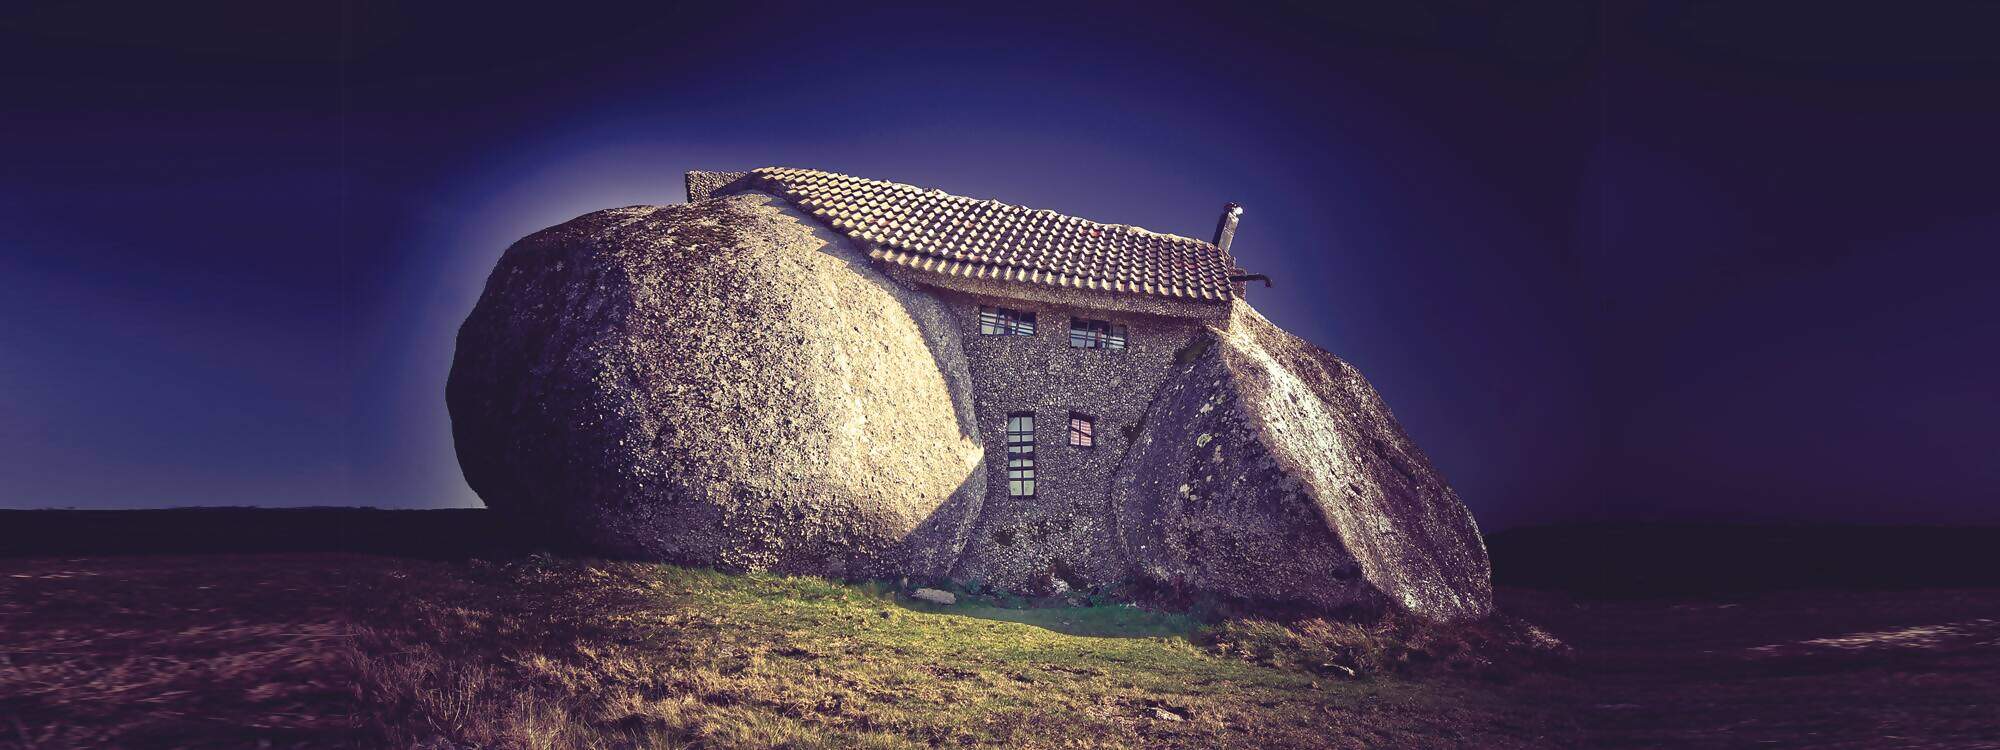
[1021, 454]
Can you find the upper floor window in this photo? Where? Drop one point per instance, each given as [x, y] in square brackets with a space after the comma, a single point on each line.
[1002, 321]
[1021, 454]
[1096, 334]
[1082, 430]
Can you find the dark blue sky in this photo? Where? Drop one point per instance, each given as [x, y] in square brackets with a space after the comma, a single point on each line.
[1603, 260]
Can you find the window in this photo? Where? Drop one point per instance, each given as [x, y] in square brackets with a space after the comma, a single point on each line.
[1082, 430]
[1096, 334]
[1001, 321]
[1021, 454]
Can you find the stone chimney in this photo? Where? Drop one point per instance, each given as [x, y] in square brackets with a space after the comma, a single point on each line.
[1225, 228]
[702, 185]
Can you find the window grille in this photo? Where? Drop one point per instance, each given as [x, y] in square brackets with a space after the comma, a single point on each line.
[1004, 321]
[1096, 334]
[1021, 454]
[1082, 430]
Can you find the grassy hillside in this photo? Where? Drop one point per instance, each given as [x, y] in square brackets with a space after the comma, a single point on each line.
[462, 640]
[351, 651]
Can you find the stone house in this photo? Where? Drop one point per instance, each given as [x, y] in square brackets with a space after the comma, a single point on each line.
[1069, 328]
[807, 372]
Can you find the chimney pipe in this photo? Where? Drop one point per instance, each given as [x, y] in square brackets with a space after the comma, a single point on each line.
[1225, 228]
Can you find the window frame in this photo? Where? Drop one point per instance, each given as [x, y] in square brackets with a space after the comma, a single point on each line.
[1005, 321]
[1088, 433]
[1020, 436]
[1091, 333]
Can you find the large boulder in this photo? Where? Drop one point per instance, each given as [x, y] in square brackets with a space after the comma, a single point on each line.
[1268, 470]
[719, 383]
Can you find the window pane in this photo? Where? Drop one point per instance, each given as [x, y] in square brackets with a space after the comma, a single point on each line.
[1082, 431]
[1095, 334]
[1004, 321]
[1021, 454]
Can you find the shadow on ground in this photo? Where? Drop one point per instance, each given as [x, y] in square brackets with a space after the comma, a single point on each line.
[1108, 621]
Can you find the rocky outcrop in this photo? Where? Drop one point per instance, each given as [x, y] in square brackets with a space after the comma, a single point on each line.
[730, 383]
[1268, 470]
[720, 383]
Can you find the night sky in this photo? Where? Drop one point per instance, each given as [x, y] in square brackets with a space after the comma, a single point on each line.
[1621, 261]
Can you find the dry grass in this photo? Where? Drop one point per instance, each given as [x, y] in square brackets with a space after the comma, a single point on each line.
[374, 652]
[613, 655]
[1500, 649]
[378, 652]
[163, 653]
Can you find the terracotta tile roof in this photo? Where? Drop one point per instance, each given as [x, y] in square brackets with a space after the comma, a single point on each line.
[934, 231]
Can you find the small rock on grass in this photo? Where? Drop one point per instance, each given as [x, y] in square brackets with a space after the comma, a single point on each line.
[935, 596]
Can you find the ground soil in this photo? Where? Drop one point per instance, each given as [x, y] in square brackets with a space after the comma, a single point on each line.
[336, 650]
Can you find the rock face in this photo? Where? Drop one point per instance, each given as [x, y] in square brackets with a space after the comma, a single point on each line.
[719, 383]
[730, 383]
[1270, 471]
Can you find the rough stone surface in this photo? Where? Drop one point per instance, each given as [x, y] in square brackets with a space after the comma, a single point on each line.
[935, 596]
[732, 383]
[1269, 469]
[704, 185]
[721, 383]
[1061, 538]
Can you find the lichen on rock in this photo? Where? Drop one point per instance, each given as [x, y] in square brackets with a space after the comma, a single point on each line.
[722, 383]
[730, 383]
[1325, 503]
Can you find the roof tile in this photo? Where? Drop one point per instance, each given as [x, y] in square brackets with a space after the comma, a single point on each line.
[938, 232]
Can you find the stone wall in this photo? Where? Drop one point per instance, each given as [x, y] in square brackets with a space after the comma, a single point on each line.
[1065, 532]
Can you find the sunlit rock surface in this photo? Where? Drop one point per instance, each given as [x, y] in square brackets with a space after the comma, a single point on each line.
[720, 383]
[730, 383]
[1270, 471]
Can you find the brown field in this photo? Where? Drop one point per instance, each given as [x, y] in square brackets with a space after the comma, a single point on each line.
[298, 651]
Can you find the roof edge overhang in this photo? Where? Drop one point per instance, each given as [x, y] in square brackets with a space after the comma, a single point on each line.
[1090, 299]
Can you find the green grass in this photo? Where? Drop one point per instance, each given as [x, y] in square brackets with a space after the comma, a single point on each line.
[660, 655]
[553, 653]
[337, 651]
